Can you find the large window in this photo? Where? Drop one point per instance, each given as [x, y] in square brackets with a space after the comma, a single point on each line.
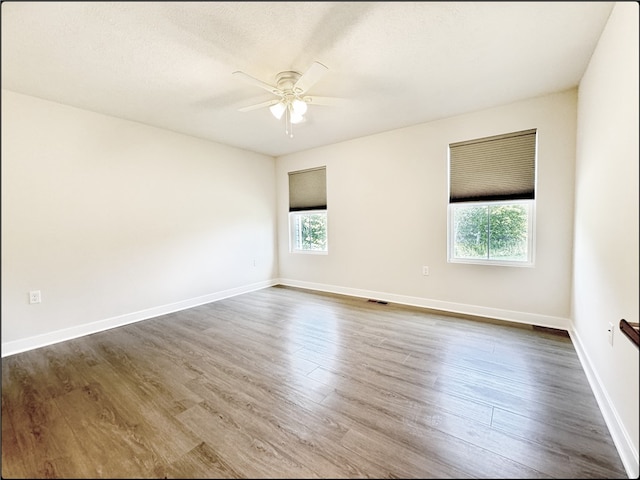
[308, 211]
[492, 199]
[491, 232]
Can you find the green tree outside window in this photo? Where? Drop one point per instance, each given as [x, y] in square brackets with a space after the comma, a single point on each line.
[498, 232]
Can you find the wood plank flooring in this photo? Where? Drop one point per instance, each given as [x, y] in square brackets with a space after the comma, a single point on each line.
[289, 383]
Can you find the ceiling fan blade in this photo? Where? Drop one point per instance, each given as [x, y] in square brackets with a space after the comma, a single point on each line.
[268, 103]
[329, 101]
[310, 77]
[254, 81]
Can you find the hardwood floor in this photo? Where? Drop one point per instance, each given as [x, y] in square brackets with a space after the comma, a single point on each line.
[288, 383]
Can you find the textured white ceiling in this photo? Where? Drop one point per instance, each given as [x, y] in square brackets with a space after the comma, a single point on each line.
[395, 64]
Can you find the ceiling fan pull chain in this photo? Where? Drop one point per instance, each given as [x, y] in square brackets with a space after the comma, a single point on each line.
[288, 123]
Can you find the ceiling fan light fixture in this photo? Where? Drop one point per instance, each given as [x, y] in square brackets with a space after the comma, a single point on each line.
[299, 107]
[278, 109]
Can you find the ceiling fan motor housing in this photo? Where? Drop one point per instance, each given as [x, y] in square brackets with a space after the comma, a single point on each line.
[285, 81]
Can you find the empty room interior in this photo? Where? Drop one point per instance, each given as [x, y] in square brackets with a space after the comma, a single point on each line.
[320, 239]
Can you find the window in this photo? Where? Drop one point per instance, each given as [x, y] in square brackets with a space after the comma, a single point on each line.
[493, 231]
[492, 199]
[308, 211]
[309, 231]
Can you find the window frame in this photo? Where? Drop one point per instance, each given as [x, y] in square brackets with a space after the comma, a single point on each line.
[531, 221]
[292, 231]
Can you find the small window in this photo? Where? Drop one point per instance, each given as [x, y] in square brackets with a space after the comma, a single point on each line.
[308, 231]
[492, 199]
[308, 211]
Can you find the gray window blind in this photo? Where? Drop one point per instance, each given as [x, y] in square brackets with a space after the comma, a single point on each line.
[501, 167]
[308, 189]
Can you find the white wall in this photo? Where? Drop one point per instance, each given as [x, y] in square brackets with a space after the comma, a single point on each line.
[387, 217]
[115, 221]
[606, 225]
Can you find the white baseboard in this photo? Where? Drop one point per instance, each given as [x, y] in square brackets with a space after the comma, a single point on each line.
[619, 434]
[17, 346]
[494, 313]
[22, 345]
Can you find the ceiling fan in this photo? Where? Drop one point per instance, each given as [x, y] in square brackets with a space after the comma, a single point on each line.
[289, 90]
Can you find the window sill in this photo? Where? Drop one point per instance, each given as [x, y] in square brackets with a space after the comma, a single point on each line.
[494, 263]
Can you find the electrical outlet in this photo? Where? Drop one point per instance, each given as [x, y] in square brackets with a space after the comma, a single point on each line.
[35, 297]
[610, 333]
[425, 271]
